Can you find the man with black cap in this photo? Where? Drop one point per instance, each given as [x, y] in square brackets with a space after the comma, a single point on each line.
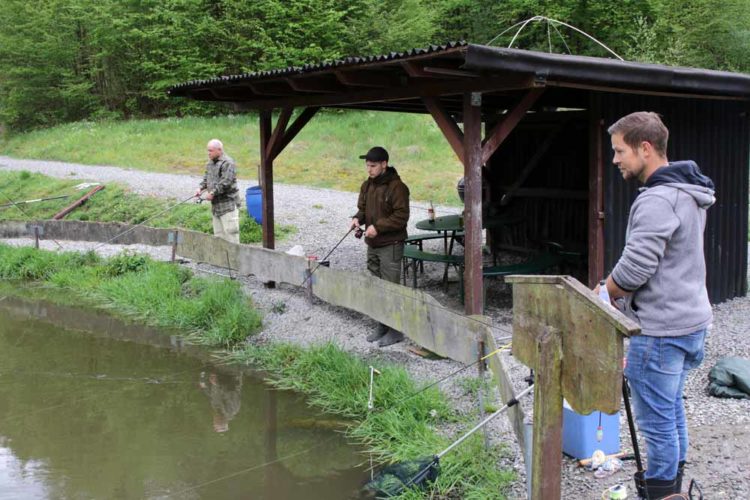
[383, 208]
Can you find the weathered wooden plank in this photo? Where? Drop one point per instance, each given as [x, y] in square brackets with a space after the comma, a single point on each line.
[418, 315]
[592, 338]
[548, 404]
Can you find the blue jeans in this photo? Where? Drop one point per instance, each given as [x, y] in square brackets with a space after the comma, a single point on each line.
[656, 372]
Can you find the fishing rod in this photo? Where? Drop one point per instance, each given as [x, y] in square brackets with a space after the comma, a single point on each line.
[15, 203]
[320, 262]
[145, 221]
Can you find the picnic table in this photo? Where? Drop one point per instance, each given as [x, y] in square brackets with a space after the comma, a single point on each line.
[451, 228]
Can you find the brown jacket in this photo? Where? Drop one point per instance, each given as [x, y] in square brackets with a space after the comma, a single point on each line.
[384, 203]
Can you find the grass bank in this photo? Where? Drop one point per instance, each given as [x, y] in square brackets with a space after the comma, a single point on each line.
[114, 204]
[401, 428]
[324, 154]
[214, 312]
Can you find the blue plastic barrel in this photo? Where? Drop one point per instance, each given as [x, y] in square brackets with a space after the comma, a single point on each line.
[254, 203]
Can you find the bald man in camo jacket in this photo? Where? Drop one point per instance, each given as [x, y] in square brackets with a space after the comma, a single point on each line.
[219, 186]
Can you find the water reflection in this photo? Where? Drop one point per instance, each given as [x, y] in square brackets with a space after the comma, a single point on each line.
[224, 393]
[85, 416]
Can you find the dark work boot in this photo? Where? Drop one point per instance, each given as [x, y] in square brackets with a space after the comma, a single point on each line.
[378, 334]
[657, 489]
[392, 337]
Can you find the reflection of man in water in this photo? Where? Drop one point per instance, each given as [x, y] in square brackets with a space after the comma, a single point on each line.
[224, 393]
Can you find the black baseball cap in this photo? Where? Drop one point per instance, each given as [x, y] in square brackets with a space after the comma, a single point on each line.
[376, 154]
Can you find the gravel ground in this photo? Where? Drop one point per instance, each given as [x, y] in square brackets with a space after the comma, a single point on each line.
[720, 429]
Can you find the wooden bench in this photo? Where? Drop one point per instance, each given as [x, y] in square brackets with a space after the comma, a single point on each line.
[412, 252]
[537, 263]
[417, 239]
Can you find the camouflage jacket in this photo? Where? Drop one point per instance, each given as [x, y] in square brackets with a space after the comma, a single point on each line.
[221, 179]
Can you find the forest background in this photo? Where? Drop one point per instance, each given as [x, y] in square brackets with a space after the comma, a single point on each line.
[71, 60]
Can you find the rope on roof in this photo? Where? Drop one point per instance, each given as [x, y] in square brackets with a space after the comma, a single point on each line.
[551, 22]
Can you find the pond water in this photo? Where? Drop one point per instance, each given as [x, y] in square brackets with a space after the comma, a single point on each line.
[92, 407]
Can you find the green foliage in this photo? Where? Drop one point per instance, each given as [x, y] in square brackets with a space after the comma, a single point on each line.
[71, 60]
[125, 263]
[400, 428]
[215, 311]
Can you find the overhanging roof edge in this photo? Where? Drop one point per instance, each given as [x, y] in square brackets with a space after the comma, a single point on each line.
[607, 72]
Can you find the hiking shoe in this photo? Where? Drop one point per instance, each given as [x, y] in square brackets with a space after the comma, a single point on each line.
[379, 333]
[392, 337]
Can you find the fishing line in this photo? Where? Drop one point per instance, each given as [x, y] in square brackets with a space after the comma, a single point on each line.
[433, 384]
[92, 396]
[25, 214]
[254, 467]
[143, 222]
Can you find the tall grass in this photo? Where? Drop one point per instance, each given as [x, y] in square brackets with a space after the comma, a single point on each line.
[113, 204]
[215, 311]
[324, 154]
[401, 428]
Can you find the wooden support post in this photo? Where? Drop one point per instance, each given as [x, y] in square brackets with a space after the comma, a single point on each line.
[596, 192]
[36, 237]
[266, 180]
[473, 300]
[548, 405]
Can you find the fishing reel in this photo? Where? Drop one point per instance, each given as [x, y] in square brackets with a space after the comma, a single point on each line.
[358, 233]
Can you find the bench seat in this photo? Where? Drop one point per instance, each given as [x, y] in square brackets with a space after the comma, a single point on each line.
[535, 264]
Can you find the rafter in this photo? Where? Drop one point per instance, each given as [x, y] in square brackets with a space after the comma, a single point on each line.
[501, 131]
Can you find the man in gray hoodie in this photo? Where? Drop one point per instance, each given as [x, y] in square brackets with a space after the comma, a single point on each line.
[660, 281]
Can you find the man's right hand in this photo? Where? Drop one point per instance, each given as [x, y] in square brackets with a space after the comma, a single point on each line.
[198, 193]
[355, 224]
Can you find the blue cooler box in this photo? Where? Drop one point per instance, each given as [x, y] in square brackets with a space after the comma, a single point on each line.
[579, 433]
[254, 203]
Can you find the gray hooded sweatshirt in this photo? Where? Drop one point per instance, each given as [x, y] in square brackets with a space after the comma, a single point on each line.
[663, 263]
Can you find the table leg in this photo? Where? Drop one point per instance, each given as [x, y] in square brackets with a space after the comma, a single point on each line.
[448, 251]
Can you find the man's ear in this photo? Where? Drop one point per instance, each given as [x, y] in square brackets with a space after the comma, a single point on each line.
[647, 148]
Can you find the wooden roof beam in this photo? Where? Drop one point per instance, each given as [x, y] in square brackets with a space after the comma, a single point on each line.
[414, 70]
[269, 89]
[447, 125]
[415, 90]
[449, 72]
[290, 133]
[501, 131]
[309, 85]
[278, 132]
[376, 80]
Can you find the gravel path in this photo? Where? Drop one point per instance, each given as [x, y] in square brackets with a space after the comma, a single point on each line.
[720, 429]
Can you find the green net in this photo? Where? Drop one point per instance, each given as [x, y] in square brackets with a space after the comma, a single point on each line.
[395, 478]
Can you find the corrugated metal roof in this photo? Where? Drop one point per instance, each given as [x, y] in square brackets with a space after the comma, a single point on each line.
[556, 69]
[311, 68]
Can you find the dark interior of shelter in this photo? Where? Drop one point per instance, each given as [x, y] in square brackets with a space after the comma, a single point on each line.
[539, 181]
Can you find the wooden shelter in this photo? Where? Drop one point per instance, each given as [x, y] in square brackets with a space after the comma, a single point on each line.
[544, 140]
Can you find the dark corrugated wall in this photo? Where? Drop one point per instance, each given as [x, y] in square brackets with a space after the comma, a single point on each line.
[715, 134]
